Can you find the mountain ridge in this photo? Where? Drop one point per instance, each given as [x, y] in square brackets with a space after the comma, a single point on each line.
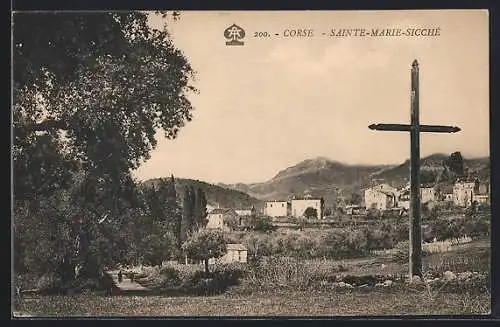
[332, 180]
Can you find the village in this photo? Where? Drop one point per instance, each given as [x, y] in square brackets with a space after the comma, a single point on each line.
[382, 198]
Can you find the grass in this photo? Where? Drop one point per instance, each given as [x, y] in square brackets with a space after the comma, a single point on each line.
[466, 258]
[295, 301]
[274, 304]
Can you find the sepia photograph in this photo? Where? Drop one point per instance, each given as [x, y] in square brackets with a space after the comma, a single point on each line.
[250, 163]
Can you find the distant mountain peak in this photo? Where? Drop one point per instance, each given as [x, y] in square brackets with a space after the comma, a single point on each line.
[308, 165]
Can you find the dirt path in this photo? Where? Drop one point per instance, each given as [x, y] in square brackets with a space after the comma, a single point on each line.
[126, 284]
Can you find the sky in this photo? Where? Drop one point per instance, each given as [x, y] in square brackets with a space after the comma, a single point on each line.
[275, 101]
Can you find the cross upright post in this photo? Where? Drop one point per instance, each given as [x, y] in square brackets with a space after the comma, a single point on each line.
[415, 230]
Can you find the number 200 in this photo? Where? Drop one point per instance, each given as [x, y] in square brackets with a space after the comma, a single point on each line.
[260, 34]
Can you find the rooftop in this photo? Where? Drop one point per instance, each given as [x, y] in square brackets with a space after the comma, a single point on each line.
[427, 186]
[220, 211]
[306, 198]
[236, 247]
[383, 187]
[467, 180]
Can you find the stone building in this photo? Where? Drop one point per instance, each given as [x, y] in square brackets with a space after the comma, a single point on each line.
[277, 209]
[300, 205]
[381, 197]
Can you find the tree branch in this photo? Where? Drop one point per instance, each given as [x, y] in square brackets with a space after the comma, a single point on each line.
[46, 125]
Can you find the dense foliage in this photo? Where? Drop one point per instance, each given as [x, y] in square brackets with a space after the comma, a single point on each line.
[90, 92]
[356, 241]
[205, 244]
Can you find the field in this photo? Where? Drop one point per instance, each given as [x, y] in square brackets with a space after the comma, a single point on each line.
[294, 298]
[278, 304]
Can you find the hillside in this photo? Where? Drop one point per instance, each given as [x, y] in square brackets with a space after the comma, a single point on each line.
[398, 176]
[225, 197]
[336, 181]
[319, 177]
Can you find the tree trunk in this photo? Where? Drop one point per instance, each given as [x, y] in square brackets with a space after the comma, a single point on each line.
[66, 272]
[206, 267]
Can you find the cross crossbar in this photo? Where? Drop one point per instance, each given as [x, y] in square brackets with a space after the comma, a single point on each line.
[407, 128]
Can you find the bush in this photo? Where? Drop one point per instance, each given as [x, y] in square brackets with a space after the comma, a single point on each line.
[288, 272]
[216, 282]
[261, 224]
[458, 262]
[401, 254]
[104, 284]
[50, 284]
[369, 280]
[233, 270]
[170, 278]
[349, 243]
[205, 244]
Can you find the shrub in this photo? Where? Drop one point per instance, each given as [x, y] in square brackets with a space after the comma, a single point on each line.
[82, 285]
[472, 283]
[50, 283]
[370, 280]
[347, 243]
[170, 277]
[288, 272]
[401, 253]
[311, 213]
[205, 244]
[105, 283]
[216, 282]
[233, 270]
[460, 262]
[378, 239]
[261, 224]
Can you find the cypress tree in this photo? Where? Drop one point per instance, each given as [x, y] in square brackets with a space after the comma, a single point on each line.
[187, 214]
[173, 212]
[200, 208]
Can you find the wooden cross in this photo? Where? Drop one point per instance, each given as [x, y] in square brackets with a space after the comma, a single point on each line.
[415, 251]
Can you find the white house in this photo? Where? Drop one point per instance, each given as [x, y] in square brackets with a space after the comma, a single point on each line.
[404, 199]
[277, 209]
[353, 209]
[381, 197]
[482, 194]
[463, 192]
[299, 206]
[211, 207]
[245, 212]
[235, 253]
[427, 193]
[445, 193]
[217, 218]
[448, 197]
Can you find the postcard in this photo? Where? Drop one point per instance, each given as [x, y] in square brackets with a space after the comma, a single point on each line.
[251, 163]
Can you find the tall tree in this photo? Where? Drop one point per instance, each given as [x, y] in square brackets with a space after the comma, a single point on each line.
[164, 207]
[455, 163]
[174, 210]
[187, 213]
[205, 244]
[94, 88]
[200, 208]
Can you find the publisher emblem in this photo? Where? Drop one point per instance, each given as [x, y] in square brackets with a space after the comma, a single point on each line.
[234, 34]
